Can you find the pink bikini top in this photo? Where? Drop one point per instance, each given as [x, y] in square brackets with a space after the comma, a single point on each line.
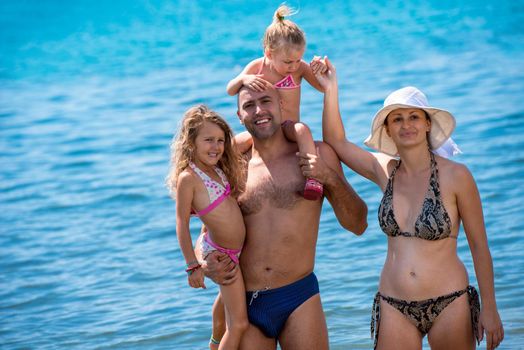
[216, 191]
[286, 83]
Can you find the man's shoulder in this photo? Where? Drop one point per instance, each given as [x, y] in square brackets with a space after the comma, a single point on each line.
[326, 152]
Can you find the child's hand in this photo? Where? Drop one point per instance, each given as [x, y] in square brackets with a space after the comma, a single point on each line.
[328, 78]
[255, 82]
[318, 65]
[196, 279]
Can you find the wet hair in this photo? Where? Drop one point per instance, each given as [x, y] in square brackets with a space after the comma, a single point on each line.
[283, 33]
[183, 149]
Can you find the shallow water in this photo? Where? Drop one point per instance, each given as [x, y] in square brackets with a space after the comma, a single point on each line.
[91, 93]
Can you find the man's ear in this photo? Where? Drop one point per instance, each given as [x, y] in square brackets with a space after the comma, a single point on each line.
[239, 117]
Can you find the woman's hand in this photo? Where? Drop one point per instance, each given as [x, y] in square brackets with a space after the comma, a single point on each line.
[327, 78]
[490, 323]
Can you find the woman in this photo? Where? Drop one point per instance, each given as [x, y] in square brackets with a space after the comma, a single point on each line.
[424, 286]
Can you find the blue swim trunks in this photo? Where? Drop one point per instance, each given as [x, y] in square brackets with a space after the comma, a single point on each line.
[270, 309]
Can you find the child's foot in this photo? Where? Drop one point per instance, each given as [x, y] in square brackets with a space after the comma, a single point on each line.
[313, 189]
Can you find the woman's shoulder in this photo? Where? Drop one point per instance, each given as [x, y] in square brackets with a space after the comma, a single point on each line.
[387, 162]
[451, 167]
[453, 172]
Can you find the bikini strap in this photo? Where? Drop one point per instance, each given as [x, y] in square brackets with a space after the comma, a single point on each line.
[232, 253]
[390, 180]
[474, 304]
[262, 66]
[215, 204]
[206, 177]
[434, 173]
[395, 169]
[375, 319]
[222, 176]
[199, 172]
[435, 188]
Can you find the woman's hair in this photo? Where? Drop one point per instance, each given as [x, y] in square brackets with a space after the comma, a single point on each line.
[183, 149]
[283, 33]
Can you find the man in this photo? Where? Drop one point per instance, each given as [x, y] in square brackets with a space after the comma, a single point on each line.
[278, 256]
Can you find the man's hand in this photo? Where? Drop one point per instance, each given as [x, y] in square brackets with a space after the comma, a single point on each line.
[313, 166]
[220, 268]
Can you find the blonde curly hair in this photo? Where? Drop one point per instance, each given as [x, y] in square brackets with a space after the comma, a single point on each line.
[183, 149]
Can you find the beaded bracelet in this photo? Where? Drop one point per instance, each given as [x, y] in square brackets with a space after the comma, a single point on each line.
[192, 269]
[194, 262]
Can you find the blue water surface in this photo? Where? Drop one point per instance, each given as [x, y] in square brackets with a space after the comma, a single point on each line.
[91, 93]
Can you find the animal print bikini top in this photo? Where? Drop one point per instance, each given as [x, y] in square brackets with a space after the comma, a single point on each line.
[432, 224]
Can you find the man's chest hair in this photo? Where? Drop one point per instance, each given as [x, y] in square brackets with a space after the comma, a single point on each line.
[273, 189]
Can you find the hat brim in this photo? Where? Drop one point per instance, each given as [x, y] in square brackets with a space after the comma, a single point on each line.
[442, 125]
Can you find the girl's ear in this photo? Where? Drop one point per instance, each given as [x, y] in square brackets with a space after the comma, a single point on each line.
[267, 53]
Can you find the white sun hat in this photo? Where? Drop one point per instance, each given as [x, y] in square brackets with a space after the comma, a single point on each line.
[442, 122]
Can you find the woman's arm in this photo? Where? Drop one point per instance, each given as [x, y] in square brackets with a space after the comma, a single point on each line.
[372, 166]
[309, 75]
[470, 211]
[350, 209]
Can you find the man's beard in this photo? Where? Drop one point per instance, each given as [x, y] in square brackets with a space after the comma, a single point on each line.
[263, 134]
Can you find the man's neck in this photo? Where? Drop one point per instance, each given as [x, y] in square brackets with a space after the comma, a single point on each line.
[270, 148]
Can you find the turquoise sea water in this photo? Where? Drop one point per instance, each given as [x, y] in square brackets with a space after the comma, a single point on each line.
[91, 93]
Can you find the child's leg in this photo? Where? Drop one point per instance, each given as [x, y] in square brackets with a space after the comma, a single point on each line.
[219, 323]
[243, 142]
[234, 299]
[301, 134]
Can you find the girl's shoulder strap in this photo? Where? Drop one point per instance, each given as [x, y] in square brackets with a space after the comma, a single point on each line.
[222, 175]
[199, 172]
[206, 178]
[262, 63]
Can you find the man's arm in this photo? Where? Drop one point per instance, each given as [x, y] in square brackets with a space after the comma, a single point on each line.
[350, 209]
[217, 266]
